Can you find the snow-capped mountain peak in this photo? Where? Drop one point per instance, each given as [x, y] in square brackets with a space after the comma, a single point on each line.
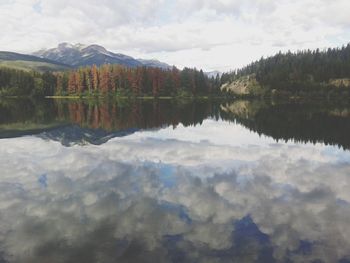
[84, 55]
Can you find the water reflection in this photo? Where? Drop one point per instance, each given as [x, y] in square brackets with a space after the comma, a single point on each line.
[323, 121]
[189, 194]
[96, 122]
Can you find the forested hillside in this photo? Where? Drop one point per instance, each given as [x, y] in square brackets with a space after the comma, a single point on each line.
[299, 71]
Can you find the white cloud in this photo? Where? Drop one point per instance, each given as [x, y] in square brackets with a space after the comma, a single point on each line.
[207, 34]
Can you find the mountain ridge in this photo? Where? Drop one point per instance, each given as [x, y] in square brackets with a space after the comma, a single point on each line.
[78, 55]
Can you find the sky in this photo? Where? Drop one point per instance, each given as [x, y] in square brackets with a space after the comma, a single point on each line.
[209, 34]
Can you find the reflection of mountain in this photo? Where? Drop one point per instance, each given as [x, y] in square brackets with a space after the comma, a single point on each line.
[313, 122]
[73, 134]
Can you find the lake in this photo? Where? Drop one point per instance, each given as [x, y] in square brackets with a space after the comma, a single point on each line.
[174, 181]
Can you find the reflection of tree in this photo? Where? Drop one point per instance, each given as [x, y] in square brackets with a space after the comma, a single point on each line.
[112, 116]
[27, 111]
[309, 122]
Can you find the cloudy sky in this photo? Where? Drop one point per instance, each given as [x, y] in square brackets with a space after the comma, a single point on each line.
[209, 34]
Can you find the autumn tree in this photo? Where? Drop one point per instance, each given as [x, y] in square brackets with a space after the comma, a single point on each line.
[94, 78]
[105, 79]
[72, 83]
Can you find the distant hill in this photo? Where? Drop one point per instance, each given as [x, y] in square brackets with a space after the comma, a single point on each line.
[81, 55]
[28, 62]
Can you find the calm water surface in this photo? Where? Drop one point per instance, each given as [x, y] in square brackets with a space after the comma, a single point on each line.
[162, 181]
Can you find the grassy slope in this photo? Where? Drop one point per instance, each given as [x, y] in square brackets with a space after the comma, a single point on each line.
[28, 62]
[31, 65]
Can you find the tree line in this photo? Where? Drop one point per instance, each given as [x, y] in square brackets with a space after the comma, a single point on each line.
[140, 81]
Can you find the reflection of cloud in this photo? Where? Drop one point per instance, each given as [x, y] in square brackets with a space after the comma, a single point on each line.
[116, 200]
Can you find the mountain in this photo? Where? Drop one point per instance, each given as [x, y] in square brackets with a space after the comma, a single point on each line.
[81, 55]
[28, 62]
[213, 74]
